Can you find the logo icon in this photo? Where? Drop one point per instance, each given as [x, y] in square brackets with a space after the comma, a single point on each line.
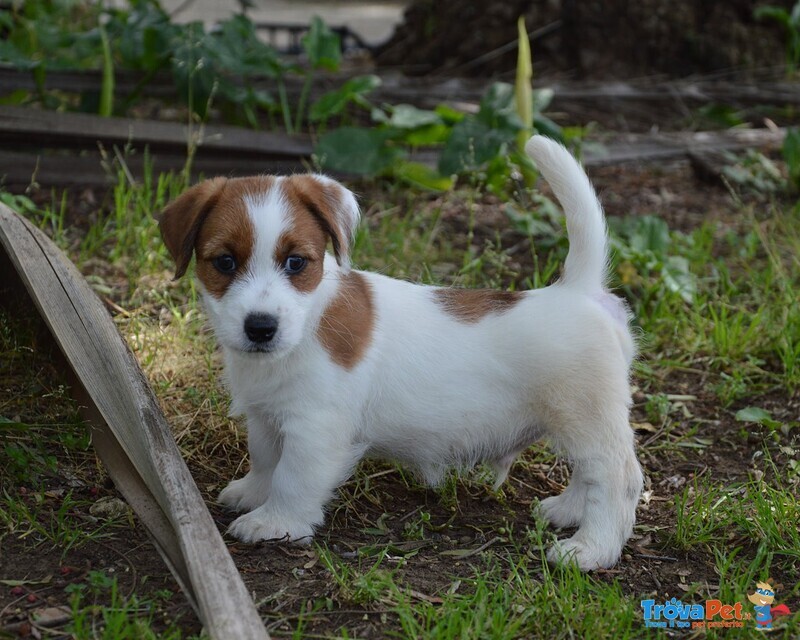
[675, 614]
[762, 600]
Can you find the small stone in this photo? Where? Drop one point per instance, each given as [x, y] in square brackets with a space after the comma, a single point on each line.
[109, 507]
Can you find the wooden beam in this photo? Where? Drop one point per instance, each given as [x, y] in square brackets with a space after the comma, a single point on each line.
[130, 432]
[18, 169]
[21, 126]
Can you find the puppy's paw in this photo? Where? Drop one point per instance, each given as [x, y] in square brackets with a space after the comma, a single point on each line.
[263, 524]
[244, 494]
[562, 511]
[586, 556]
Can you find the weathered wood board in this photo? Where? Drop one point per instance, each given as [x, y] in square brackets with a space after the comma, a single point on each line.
[129, 431]
[62, 149]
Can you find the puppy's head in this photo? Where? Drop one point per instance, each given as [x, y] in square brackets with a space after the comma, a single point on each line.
[260, 247]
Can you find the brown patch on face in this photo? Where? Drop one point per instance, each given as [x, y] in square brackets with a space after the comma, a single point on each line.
[322, 200]
[471, 305]
[182, 218]
[305, 237]
[345, 329]
[212, 219]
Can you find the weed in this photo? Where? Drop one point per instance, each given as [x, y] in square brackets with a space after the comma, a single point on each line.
[790, 21]
[415, 529]
[123, 618]
[791, 155]
[702, 513]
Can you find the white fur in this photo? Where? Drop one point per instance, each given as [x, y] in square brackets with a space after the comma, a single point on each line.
[434, 392]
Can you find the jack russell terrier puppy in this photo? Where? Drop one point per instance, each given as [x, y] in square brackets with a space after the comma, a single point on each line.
[330, 364]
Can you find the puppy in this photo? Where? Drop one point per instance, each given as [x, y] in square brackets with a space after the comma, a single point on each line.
[330, 364]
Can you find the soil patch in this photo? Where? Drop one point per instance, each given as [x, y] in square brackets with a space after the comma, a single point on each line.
[594, 40]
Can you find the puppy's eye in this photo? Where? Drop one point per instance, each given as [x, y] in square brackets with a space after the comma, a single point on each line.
[225, 264]
[294, 264]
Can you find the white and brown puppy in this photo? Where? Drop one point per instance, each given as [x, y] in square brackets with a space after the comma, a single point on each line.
[330, 364]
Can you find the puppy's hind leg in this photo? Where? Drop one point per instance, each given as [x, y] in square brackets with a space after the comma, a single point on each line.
[611, 482]
[501, 467]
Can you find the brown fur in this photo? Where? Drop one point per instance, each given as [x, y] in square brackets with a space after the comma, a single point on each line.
[306, 237]
[322, 202]
[471, 305]
[345, 329]
[182, 218]
[211, 219]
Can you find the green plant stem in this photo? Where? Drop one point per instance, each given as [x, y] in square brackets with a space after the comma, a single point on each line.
[107, 87]
[287, 116]
[301, 105]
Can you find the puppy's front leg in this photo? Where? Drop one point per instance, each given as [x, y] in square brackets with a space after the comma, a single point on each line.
[316, 457]
[264, 446]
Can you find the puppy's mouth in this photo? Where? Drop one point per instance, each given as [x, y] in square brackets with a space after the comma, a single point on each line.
[259, 349]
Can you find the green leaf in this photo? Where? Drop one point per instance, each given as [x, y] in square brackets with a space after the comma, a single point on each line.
[406, 116]
[542, 99]
[427, 136]
[143, 37]
[498, 109]
[791, 154]
[334, 102]
[679, 279]
[422, 176]
[650, 234]
[448, 114]
[22, 583]
[471, 145]
[11, 425]
[234, 47]
[758, 415]
[322, 46]
[357, 150]
[548, 128]
[775, 13]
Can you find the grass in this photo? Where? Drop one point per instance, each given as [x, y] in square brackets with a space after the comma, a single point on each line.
[123, 618]
[720, 331]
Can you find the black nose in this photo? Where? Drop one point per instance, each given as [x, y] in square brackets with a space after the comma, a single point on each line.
[260, 327]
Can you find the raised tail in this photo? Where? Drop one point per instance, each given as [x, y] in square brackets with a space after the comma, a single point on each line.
[586, 265]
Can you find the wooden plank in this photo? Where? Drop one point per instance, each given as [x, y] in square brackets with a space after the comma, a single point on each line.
[666, 146]
[18, 169]
[84, 81]
[135, 439]
[430, 91]
[23, 126]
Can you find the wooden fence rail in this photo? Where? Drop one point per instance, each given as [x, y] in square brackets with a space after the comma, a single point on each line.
[129, 430]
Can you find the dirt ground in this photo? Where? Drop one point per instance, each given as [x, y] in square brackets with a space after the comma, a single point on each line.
[613, 39]
[286, 580]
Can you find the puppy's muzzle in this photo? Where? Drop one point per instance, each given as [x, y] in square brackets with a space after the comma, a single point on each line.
[260, 328]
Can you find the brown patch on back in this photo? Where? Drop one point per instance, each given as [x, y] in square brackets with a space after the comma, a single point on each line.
[471, 305]
[345, 329]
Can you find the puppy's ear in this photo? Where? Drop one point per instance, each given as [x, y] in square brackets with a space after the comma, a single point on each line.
[335, 209]
[182, 218]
